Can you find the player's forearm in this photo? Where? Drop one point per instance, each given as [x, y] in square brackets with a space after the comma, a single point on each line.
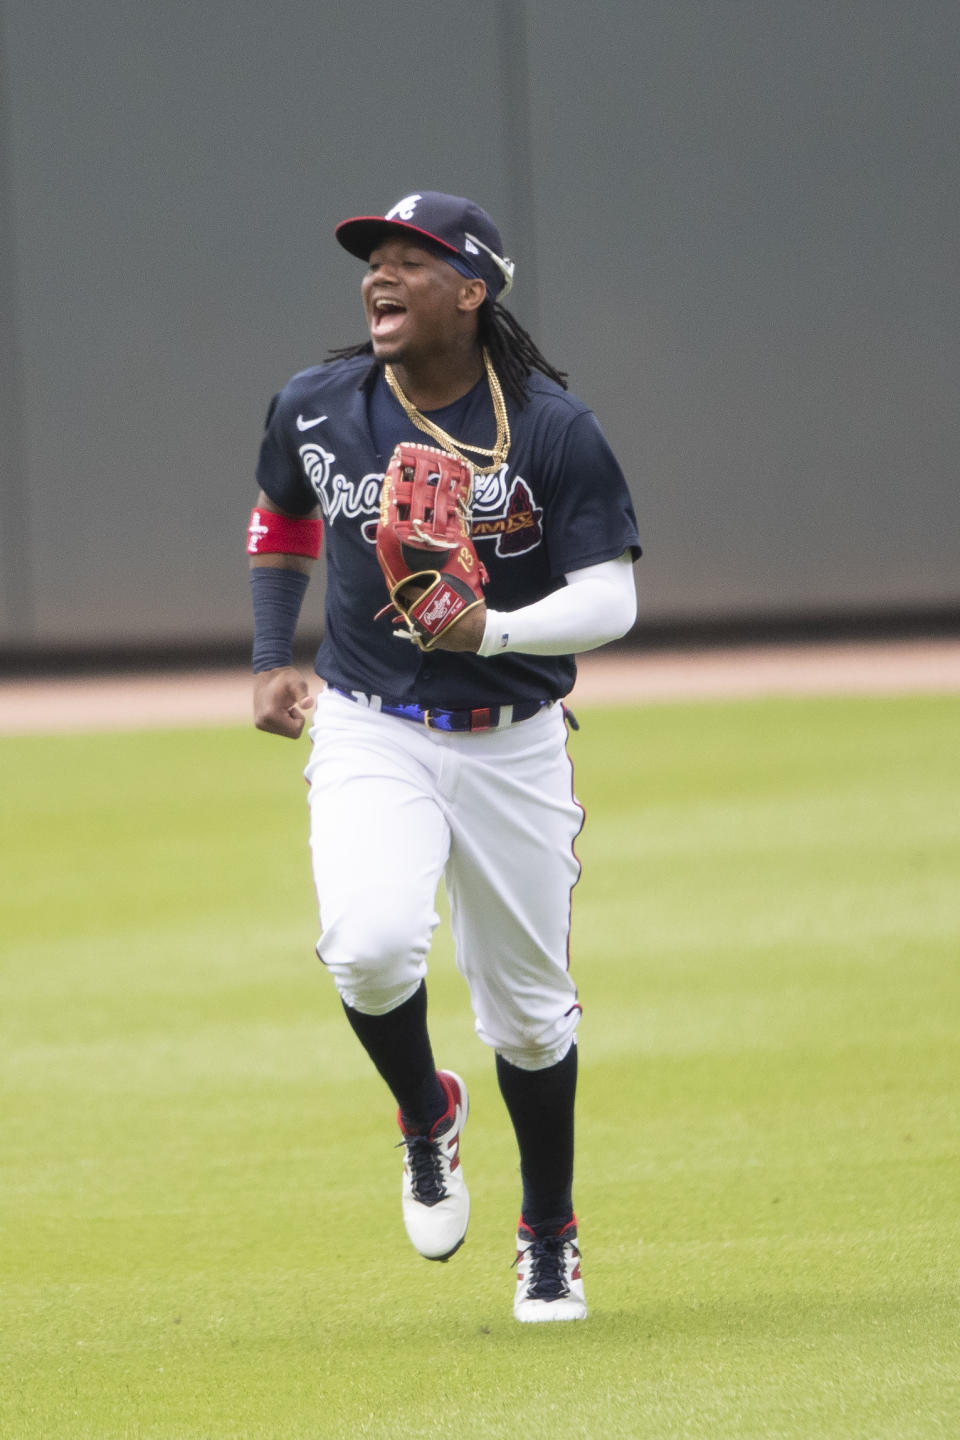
[282, 550]
[303, 563]
[277, 595]
[597, 605]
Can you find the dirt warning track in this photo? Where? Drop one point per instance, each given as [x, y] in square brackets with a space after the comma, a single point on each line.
[55, 705]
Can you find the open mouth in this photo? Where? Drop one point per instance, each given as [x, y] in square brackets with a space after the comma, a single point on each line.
[386, 316]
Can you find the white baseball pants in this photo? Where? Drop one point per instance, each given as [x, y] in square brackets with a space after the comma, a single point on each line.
[395, 807]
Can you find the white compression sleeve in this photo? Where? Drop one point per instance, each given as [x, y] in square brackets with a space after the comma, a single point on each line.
[597, 604]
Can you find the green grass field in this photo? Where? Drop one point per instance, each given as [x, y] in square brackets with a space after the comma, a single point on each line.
[199, 1200]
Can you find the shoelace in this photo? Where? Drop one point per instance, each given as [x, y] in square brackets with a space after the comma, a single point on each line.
[546, 1278]
[426, 1178]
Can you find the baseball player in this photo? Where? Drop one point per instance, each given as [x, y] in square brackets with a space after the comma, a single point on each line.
[478, 533]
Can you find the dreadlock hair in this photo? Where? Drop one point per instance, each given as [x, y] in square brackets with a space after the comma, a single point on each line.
[512, 351]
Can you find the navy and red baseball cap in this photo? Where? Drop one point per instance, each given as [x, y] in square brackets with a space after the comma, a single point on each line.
[459, 231]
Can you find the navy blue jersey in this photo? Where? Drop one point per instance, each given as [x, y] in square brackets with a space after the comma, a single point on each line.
[559, 503]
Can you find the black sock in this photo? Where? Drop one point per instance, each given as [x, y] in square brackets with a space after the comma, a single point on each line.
[540, 1104]
[399, 1046]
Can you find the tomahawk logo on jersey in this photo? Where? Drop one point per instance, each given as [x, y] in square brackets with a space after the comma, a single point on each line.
[511, 518]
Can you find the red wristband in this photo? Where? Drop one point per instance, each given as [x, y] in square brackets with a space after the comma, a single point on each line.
[269, 533]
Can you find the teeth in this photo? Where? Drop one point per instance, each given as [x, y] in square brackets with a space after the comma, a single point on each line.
[382, 305]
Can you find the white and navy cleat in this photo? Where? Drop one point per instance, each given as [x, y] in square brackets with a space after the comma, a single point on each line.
[436, 1205]
[549, 1284]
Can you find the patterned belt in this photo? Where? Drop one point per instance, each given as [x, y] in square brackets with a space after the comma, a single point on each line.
[485, 717]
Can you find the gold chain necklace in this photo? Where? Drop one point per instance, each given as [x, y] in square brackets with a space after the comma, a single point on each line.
[501, 446]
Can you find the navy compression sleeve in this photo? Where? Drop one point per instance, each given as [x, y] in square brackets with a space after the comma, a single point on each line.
[277, 597]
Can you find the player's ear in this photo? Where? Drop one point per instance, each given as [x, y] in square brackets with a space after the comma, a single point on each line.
[472, 295]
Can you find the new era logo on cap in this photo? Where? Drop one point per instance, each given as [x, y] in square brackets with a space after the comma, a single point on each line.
[463, 233]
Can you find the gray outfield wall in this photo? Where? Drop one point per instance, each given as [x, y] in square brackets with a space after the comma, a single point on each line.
[735, 223]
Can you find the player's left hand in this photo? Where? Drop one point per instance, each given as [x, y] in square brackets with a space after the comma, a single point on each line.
[425, 549]
[466, 634]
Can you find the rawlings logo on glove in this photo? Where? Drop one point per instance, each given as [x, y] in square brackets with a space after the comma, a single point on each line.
[428, 560]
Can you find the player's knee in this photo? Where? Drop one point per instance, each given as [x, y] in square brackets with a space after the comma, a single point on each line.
[534, 1058]
[533, 1048]
[376, 959]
